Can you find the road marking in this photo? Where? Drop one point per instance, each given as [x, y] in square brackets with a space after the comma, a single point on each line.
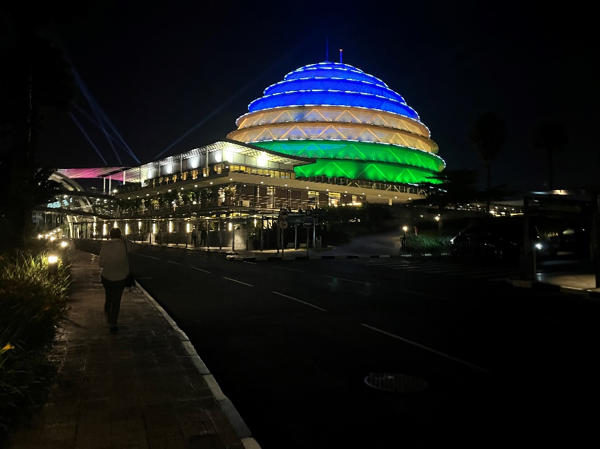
[299, 300]
[426, 348]
[347, 280]
[149, 257]
[289, 269]
[174, 263]
[200, 269]
[239, 282]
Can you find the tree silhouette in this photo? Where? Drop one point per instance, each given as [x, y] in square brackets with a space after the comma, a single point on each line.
[34, 81]
[457, 187]
[550, 137]
[487, 135]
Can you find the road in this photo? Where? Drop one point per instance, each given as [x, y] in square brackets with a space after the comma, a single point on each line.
[473, 362]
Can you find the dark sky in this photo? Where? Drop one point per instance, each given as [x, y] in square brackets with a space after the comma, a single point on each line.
[160, 68]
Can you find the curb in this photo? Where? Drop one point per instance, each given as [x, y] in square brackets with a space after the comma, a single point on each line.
[553, 288]
[311, 257]
[229, 410]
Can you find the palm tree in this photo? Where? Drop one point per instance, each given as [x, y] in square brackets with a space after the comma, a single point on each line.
[487, 135]
[551, 137]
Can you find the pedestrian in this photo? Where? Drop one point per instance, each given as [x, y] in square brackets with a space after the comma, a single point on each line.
[203, 238]
[194, 237]
[114, 262]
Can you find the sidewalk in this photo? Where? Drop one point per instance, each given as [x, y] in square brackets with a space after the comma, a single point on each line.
[583, 284]
[143, 388]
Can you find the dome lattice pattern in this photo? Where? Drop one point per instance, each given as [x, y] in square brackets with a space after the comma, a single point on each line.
[351, 122]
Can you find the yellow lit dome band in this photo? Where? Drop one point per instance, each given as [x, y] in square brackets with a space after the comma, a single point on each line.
[332, 114]
[333, 131]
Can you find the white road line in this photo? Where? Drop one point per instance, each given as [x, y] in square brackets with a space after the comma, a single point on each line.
[200, 269]
[299, 300]
[347, 280]
[174, 263]
[149, 257]
[289, 269]
[427, 348]
[239, 282]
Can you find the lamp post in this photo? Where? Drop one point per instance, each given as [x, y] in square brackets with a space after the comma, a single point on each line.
[404, 228]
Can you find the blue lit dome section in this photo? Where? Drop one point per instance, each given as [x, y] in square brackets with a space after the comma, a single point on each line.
[351, 122]
[333, 84]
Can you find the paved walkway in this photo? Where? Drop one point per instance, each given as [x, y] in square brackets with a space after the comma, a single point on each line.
[143, 388]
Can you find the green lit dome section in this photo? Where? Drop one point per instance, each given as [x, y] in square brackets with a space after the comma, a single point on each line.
[351, 122]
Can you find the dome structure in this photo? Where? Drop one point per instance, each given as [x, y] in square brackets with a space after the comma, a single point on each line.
[351, 122]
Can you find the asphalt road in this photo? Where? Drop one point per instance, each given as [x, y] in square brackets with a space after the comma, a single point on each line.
[475, 363]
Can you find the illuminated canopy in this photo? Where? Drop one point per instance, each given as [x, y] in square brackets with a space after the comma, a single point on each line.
[351, 122]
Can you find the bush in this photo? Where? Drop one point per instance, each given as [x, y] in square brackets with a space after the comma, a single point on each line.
[422, 243]
[32, 303]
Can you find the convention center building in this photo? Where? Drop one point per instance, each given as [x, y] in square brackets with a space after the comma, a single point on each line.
[328, 134]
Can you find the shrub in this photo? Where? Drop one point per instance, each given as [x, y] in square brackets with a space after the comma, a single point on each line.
[32, 303]
[423, 243]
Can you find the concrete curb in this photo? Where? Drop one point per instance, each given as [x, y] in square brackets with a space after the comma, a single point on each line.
[311, 257]
[553, 288]
[229, 410]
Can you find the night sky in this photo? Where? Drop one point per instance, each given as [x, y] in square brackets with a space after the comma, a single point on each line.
[159, 69]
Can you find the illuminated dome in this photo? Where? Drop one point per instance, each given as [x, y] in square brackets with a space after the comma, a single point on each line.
[351, 122]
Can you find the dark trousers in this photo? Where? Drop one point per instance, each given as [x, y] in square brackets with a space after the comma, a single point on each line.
[112, 304]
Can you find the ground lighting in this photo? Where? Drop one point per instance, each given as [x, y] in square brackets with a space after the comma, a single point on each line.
[53, 264]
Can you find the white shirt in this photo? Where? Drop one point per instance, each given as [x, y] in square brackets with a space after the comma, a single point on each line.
[113, 259]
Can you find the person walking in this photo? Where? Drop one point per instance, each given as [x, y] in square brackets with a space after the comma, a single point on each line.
[194, 237]
[203, 238]
[114, 262]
